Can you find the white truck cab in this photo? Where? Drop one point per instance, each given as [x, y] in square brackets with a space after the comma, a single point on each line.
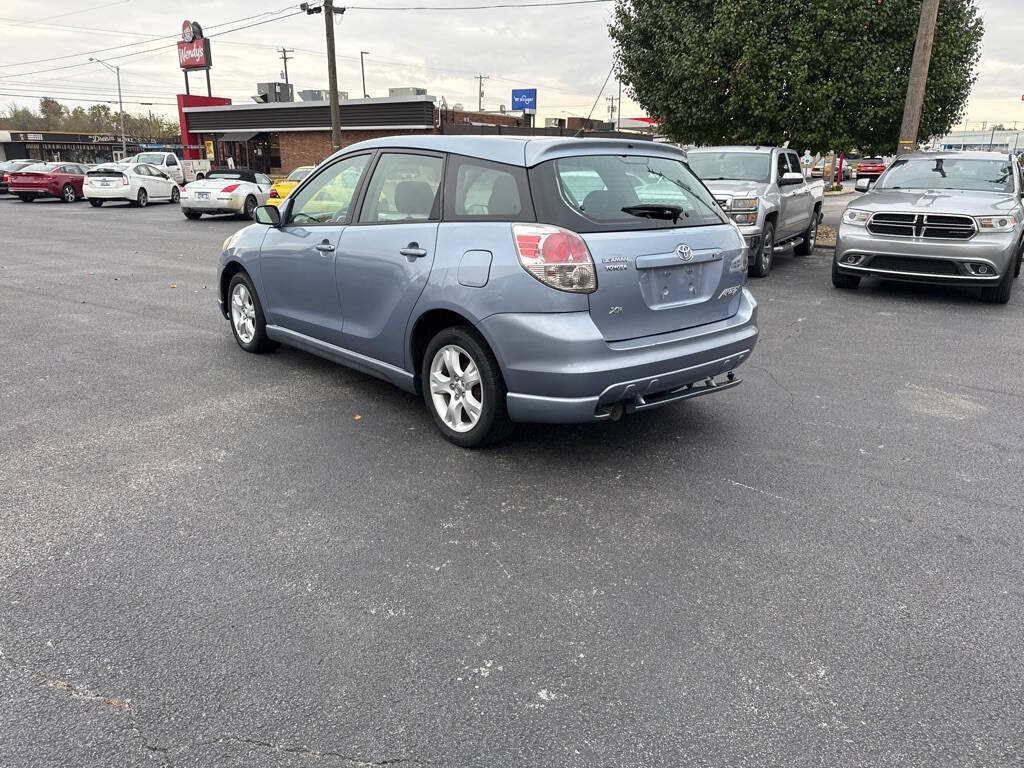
[167, 162]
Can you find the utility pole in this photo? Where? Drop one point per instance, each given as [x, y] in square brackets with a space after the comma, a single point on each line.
[284, 57]
[362, 71]
[611, 108]
[480, 103]
[332, 64]
[618, 125]
[918, 77]
[120, 104]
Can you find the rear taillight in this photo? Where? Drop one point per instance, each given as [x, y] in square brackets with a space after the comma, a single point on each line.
[273, 193]
[124, 179]
[555, 256]
[4, 178]
[229, 188]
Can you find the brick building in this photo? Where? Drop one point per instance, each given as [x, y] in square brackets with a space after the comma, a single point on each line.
[278, 137]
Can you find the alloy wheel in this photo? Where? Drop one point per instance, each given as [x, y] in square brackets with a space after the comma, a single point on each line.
[250, 207]
[767, 252]
[243, 313]
[812, 234]
[455, 388]
[143, 198]
[175, 195]
[69, 194]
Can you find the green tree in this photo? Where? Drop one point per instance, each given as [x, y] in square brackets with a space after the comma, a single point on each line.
[818, 73]
[53, 113]
[101, 118]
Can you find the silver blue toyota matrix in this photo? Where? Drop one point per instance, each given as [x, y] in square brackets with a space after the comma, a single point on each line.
[502, 279]
[947, 218]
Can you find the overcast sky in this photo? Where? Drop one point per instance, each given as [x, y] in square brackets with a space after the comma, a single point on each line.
[565, 52]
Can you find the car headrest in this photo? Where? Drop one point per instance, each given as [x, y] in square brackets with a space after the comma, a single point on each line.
[414, 198]
[604, 204]
[504, 200]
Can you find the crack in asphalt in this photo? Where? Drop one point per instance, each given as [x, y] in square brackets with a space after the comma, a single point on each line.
[302, 751]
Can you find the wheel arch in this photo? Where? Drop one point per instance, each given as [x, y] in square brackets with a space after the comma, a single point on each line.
[230, 269]
[429, 324]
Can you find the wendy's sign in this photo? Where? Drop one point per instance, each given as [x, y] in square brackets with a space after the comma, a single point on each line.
[193, 48]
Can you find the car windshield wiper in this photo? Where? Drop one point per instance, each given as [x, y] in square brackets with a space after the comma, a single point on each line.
[685, 188]
[655, 211]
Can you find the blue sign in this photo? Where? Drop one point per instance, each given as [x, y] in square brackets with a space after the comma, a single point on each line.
[524, 98]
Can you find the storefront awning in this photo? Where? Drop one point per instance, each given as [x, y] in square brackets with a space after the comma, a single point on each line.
[237, 136]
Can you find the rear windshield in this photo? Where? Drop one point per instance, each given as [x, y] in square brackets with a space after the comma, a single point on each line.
[621, 192]
[732, 166]
[949, 173]
[105, 172]
[224, 175]
[872, 160]
[13, 165]
[299, 174]
[41, 167]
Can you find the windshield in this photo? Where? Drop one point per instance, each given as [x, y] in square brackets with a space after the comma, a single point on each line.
[299, 174]
[151, 158]
[731, 166]
[606, 188]
[949, 173]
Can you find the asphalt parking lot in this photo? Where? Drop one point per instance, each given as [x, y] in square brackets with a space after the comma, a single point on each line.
[211, 558]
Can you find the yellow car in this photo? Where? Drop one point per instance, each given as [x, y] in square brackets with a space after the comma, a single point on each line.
[283, 187]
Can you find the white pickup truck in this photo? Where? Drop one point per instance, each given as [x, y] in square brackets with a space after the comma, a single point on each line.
[182, 171]
[764, 191]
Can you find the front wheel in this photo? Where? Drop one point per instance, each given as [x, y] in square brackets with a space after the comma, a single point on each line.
[143, 199]
[175, 195]
[247, 322]
[846, 282]
[761, 264]
[67, 194]
[96, 203]
[810, 236]
[26, 198]
[1000, 294]
[463, 388]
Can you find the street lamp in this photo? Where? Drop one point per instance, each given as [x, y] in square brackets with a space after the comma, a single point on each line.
[120, 104]
[362, 70]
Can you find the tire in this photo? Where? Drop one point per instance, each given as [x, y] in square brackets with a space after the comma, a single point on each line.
[250, 207]
[806, 248]
[175, 195]
[143, 199]
[248, 325]
[96, 203]
[193, 215]
[999, 294]
[26, 198]
[1020, 260]
[200, 176]
[846, 282]
[67, 194]
[447, 392]
[761, 264]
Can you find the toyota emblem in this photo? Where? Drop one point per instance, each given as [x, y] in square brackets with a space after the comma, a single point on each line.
[684, 253]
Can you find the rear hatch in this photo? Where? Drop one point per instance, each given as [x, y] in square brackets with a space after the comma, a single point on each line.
[106, 177]
[669, 262]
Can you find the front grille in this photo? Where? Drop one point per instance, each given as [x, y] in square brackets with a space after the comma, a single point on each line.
[933, 227]
[920, 266]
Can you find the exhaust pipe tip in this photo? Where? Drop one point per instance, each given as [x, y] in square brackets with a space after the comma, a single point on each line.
[614, 411]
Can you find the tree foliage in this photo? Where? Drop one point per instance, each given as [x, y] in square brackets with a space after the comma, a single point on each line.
[819, 73]
[97, 118]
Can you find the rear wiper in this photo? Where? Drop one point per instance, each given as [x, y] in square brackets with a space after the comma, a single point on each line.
[655, 211]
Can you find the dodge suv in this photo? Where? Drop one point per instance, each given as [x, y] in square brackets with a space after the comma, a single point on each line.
[502, 279]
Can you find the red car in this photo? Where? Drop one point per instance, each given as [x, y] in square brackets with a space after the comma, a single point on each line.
[870, 168]
[63, 180]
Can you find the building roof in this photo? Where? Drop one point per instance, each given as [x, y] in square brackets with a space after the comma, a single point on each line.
[521, 150]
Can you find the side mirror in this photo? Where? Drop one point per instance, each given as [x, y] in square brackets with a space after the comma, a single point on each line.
[269, 215]
[792, 178]
[864, 185]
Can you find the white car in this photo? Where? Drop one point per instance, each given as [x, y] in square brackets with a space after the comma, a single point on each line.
[235, 190]
[137, 183]
[167, 162]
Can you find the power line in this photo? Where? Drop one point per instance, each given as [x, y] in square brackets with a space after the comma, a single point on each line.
[471, 7]
[594, 105]
[93, 101]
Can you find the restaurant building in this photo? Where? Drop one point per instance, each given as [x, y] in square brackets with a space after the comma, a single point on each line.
[62, 146]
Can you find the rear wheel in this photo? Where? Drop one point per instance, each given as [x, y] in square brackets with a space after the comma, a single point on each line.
[761, 264]
[250, 207]
[175, 195]
[247, 322]
[191, 214]
[846, 282]
[67, 194]
[96, 203]
[810, 236]
[463, 388]
[26, 198]
[999, 294]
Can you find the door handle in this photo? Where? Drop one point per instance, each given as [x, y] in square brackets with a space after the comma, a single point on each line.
[413, 251]
[324, 247]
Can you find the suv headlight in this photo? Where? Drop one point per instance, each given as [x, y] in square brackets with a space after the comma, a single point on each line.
[743, 210]
[743, 204]
[996, 223]
[855, 216]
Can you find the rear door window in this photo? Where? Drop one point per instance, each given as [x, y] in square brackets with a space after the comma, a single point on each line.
[403, 187]
[620, 193]
[478, 190]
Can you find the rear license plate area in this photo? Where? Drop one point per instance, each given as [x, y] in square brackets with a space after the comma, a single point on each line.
[202, 195]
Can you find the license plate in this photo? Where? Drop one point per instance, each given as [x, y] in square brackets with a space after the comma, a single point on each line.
[104, 183]
[202, 195]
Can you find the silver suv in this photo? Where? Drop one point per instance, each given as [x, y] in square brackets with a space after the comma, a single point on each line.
[945, 218]
[502, 279]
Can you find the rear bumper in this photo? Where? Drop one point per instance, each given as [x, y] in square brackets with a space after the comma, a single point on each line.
[120, 192]
[559, 369]
[36, 191]
[941, 262]
[228, 204]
